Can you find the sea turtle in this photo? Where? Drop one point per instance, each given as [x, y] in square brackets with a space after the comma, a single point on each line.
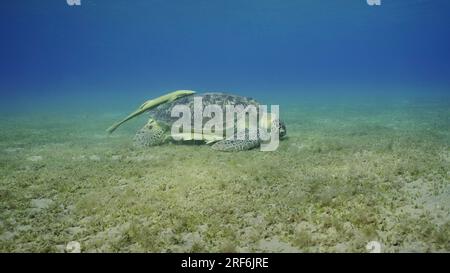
[158, 128]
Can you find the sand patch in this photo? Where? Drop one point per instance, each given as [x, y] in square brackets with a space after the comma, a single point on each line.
[95, 158]
[275, 245]
[41, 204]
[35, 158]
[13, 150]
[141, 158]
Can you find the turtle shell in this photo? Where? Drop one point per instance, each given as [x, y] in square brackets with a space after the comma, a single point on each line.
[162, 113]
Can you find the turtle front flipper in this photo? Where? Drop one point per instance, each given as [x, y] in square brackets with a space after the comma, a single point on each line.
[243, 140]
[152, 134]
[230, 145]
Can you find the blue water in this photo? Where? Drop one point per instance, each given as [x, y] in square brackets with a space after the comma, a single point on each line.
[119, 53]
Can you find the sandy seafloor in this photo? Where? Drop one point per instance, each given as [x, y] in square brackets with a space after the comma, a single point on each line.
[348, 174]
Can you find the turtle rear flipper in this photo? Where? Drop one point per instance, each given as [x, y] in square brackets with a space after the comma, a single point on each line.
[152, 134]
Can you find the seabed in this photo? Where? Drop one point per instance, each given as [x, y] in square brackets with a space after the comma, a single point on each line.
[346, 175]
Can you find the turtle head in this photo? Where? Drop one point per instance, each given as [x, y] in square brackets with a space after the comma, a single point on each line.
[282, 128]
[276, 123]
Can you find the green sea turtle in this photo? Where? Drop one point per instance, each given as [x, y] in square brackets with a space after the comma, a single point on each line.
[158, 129]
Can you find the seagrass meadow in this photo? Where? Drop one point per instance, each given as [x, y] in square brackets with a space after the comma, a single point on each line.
[346, 175]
